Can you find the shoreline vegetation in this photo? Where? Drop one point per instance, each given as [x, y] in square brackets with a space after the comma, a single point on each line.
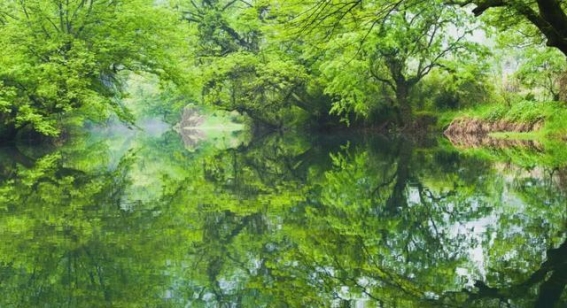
[516, 134]
[454, 66]
[500, 124]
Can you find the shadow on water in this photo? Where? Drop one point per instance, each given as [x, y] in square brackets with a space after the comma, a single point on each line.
[287, 220]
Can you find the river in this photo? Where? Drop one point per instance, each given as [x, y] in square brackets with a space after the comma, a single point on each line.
[286, 220]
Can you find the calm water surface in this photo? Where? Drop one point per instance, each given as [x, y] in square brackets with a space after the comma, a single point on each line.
[284, 221]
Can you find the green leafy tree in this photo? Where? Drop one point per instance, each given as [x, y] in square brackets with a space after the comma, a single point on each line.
[223, 27]
[371, 56]
[541, 71]
[246, 65]
[63, 60]
[547, 17]
[262, 87]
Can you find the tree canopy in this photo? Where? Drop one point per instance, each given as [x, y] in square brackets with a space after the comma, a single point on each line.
[323, 64]
[549, 17]
[63, 59]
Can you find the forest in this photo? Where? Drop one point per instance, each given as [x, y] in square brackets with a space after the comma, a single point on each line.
[269, 153]
[398, 66]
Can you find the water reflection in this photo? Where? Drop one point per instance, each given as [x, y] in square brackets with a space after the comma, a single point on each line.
[287, 220]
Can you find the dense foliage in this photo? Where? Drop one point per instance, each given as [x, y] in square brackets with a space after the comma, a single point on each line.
[62, 60]
[324, 63]
[282, 220]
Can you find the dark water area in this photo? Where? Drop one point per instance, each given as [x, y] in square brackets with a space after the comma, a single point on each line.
[284, 221]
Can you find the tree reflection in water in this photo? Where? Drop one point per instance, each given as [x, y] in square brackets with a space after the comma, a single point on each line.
[287, 220]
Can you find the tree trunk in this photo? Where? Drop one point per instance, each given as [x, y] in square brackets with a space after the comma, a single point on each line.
[8, 133]
[405, 113]
[549, 18]
[562, 93]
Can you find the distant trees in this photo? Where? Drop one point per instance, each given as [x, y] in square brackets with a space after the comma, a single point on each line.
[532, 22]
[541, 71]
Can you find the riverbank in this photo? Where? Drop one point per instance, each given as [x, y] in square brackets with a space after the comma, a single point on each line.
[524, 120]
[525, 133]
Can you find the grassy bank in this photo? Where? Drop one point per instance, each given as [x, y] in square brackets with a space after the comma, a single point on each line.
[553, 116]
[545, 146]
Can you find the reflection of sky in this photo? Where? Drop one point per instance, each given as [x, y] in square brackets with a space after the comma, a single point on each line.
[474, 232]
[469, 235]
[120, 138]
[503, 234]
[150, 159]
[509, 219]
[479, 235]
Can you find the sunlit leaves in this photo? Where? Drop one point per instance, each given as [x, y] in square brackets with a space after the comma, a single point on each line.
[62, 59]
[372, 55]
[541, 71]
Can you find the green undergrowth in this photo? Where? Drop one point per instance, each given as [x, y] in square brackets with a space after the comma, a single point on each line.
[445, 118]
[534, 135]
[553, 115]
[545, 147]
